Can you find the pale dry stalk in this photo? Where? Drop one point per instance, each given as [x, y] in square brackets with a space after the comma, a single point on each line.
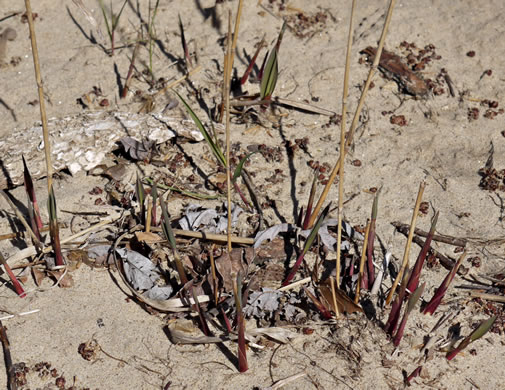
[375, 64]
[406, 253]
[342, 144]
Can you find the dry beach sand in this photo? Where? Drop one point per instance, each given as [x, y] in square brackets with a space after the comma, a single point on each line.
[442, 141]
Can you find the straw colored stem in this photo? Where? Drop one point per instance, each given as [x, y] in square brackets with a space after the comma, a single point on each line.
[42, 104]
[372, 72]
[488, 297]
[342, 143]
[295, 284]
[235, 32]
[354, 123]
[334, 296]
[227, 76]
[213, 271]
[406, 253]
[213, 237]
[362, 263]
[129, 75]
[149, 213]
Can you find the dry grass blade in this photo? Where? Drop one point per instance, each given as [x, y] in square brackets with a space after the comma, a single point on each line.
[406, 253]
[129, 75]
[40, 88]
[89, 16]
[373, 69]
[362, 262]
[227, 80]
[342, 143]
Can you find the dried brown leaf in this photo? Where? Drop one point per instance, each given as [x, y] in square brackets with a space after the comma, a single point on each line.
[344, 303]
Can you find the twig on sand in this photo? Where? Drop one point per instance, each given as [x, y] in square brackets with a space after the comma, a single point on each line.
[404, 228]
[11, 378]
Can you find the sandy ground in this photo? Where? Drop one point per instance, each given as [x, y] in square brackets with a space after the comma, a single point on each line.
[439, 144]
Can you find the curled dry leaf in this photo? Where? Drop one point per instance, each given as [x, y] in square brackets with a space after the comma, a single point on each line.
[229, 265]
[148, 237]
[63, 278]
[38, 276]
[344, 303]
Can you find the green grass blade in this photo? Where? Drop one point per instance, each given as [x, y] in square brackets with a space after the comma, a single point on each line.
[167, 229]
[213, 146]
[240, 166]
[102, 7]
[482, 329]
[271, 72]
[115, 19]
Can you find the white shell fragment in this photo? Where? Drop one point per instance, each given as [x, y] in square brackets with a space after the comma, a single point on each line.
[81, 142]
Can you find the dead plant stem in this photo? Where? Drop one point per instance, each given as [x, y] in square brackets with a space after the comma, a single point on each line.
[372, 72]
[336, 168]
[42, 104]
[362, 262]
[227, 76]
[342, 145]
[408, 245]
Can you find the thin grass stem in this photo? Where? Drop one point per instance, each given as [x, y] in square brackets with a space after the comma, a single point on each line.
[40, 88]
[342, 142]
[362, 263]
[227, 77]
[336, 168]
[408, 245]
